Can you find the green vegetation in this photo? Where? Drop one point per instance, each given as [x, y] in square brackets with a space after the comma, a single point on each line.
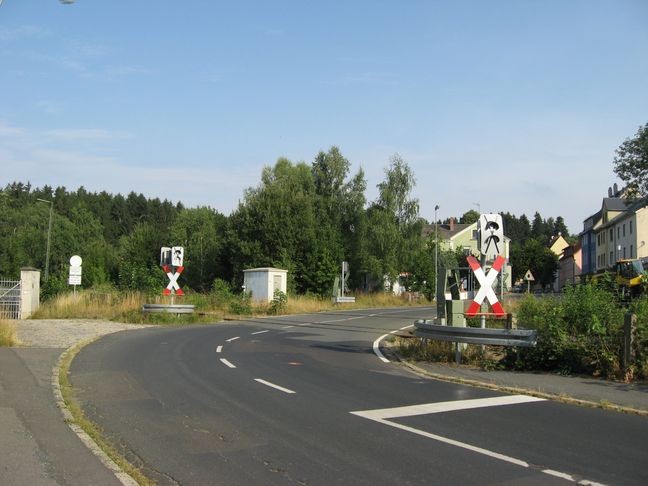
[579, 332]
[306, 218]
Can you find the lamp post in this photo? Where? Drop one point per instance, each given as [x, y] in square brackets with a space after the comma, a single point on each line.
[49, 236]
[436, 252]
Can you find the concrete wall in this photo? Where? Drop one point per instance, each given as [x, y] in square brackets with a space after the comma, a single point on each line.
[29, 292]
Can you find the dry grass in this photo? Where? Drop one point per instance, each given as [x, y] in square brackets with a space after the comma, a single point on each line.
[126, 306]
[90, 305]
[7, 334]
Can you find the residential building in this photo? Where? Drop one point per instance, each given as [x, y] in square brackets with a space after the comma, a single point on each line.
[618, 231]
[570, 265]
[453, 236]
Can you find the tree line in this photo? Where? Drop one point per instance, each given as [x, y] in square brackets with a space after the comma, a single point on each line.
[303, 217]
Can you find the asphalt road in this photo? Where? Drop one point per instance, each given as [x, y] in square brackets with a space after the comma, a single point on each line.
[306, 400]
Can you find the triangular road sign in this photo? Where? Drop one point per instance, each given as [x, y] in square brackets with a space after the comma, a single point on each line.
[529, 276]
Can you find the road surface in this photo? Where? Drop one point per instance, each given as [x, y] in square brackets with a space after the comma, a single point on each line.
[310, 400]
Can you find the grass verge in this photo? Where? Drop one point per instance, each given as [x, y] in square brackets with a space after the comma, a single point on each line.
[90, 428]
[127, 306]
[7, 334]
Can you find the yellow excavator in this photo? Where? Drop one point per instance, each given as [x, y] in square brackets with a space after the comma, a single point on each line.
[630, 275]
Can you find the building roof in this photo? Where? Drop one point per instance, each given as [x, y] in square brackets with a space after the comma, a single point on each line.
[265, 269]
[446, 231]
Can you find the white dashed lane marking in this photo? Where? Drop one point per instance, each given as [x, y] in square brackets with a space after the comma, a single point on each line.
[272, 385]
[227, 363]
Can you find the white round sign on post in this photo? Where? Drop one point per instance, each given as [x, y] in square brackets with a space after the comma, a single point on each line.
[76, 261]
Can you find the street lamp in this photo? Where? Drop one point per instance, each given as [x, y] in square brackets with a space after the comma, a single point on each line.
[436, 252]
[49, 236]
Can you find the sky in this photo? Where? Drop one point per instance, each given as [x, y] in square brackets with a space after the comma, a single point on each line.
[512, 106]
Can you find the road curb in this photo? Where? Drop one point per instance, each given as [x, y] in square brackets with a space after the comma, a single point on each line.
[124, 478]
[514, 390]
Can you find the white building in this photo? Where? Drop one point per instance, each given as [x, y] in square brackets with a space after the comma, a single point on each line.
[262, 282]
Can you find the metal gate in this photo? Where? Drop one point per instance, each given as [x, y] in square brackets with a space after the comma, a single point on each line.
[9, 299]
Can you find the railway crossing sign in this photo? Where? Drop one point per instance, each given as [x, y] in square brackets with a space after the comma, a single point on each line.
[171, 261]
[491, 235]
[173, 286]
[486, 286]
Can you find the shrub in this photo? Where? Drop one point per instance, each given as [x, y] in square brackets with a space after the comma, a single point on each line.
[581, 332]
[279, 303]
[242, 305]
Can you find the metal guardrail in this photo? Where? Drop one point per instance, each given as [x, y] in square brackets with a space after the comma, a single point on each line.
[343, 300]
[169, 308]
[476, 335]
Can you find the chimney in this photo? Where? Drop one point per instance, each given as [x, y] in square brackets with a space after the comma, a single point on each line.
[452, 224]
[609, 192]
[616, 190]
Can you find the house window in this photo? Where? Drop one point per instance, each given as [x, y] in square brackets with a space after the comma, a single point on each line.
[624, 248]
[630, 229]
[631, 251]
[611, 235]
[474, 234]
[611, 257]
[467, 251]
[624, 230]
[618, 232]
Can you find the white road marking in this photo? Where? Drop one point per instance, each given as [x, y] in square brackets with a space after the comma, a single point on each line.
[440, 407]
[287, 327]
[227, 363]
[272, 385]
[219, 349]
[376, 343]
[260, 332]
[376, 348]
[382, 415]
[341, 320]
[233, 339]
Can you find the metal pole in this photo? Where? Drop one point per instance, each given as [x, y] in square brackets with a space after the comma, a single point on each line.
[436, 252]
[49, 237]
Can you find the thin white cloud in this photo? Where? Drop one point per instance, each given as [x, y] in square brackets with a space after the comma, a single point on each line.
[76, 134]
[21, 32]
[7, 130]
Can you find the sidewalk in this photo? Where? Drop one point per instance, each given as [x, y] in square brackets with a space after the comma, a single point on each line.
[590, 391]
[38, 447]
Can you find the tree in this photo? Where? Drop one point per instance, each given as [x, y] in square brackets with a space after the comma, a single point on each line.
[394, 224]
[631, 162]
[469, 217]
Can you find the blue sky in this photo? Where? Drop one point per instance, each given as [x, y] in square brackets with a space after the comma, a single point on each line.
[513, 105]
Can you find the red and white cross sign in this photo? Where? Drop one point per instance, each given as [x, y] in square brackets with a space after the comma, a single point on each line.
[173, 281]
[486, 286]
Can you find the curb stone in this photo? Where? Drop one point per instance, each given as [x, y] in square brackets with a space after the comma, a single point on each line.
[509, 389]
[123, 477]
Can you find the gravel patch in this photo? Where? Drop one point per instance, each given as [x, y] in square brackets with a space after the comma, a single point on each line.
[63, 333]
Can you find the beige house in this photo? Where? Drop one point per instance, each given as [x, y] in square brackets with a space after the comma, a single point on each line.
[453, 236]
[622, 231]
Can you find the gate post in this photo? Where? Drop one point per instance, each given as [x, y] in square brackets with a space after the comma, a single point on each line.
[29, 291]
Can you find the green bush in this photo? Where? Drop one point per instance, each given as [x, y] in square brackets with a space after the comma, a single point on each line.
[580, 332]
[241, 305]
[279, 303]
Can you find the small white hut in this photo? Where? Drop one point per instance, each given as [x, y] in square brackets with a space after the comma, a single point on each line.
[262, 282]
